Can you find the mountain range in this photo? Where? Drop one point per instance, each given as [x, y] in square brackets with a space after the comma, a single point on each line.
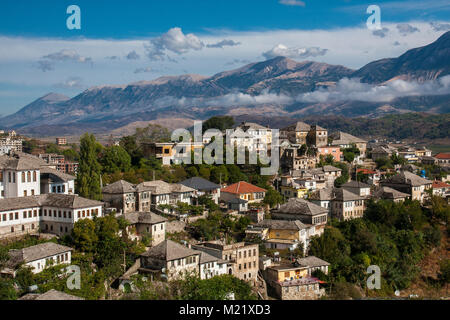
[267, 88]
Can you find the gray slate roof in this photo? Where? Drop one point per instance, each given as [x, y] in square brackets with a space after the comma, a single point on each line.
[406, 177]
[299, 126]
[312, 261]
[21, 161]
[325, 194]
[169, 250]
[206, 257]
[281, 224]
[199, 183]
[119, 187]
[66, 201]
[342, 138]
[144, 217]
[343, 194]
[389, 193]
[36, 252]
[50, 295]
[355, 184]
[57, 174]
[301, 206]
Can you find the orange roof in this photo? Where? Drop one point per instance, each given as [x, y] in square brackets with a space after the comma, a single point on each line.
[442, 156]
[440, 184]
[242, 187]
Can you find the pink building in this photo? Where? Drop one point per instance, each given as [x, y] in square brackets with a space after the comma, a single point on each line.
[335, 151]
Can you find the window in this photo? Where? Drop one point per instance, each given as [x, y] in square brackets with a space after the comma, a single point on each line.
[23, 177]
[28, 176]
[34, 176]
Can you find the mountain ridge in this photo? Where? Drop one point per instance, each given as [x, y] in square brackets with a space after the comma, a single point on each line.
[104, 108]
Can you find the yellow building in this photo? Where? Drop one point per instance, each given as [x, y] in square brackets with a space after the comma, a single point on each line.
[286, 272]
[293, 192]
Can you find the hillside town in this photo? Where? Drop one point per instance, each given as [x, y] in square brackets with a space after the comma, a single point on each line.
[271, 229]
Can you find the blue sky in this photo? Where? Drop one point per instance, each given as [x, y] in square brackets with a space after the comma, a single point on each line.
[122, 42]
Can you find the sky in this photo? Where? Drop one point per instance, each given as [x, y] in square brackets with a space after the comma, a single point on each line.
[122, 42]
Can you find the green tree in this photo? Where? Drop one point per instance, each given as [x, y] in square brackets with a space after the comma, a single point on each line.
[272, 197]
[89, 170]
[219, 122]
[84, 235]
[115, 159]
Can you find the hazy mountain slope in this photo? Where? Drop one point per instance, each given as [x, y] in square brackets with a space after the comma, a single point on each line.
[425, 63]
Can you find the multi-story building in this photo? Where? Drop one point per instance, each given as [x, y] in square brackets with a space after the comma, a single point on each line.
[49, 213]
[126, 197]
[243, 190]
[285, 234]
[146, 224]
[203, 187]
[334, 151]
[345, 140]
[305, 211]
[242, 258]
[297, 133]
[347, 205]
[171, 260]
[61, 141]
[38, 257]
[409, 183]
[317, 136]
[10, 143]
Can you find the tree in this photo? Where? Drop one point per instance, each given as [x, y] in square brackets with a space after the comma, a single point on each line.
[219, 122]
[219, 174]
[84, 235]
[349, 156]
[272, 197]
[115, 159]
[89, 170]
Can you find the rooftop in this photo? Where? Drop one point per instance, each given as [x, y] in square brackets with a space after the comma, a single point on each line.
[119, 187]
[36, 252]
[406, 177]
[199, 183]
[242, 187]
[312, 261]
[281, 224]
[144, 217]
[301, 206]
[50, 295]
[169, 250]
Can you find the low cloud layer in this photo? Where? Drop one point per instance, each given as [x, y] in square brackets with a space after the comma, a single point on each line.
[353, 90]
[406, 28]
[294, 53]
[345, 90]
[133, 56]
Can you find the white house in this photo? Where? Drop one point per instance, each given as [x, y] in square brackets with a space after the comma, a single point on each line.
[211, 266]
[39, 257]
[50, 213]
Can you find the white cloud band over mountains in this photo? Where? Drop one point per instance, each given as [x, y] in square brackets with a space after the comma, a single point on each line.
[345, 90]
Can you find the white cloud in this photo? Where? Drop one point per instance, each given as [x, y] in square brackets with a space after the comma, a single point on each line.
[47, 62]
[440, 26]
[381, 33]
[143, 70]
[294, 53]
[297, 3]
[406, 28]
[353, 90]
[133, 56]
[71, 82]
[224, 43]
[174, 41]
